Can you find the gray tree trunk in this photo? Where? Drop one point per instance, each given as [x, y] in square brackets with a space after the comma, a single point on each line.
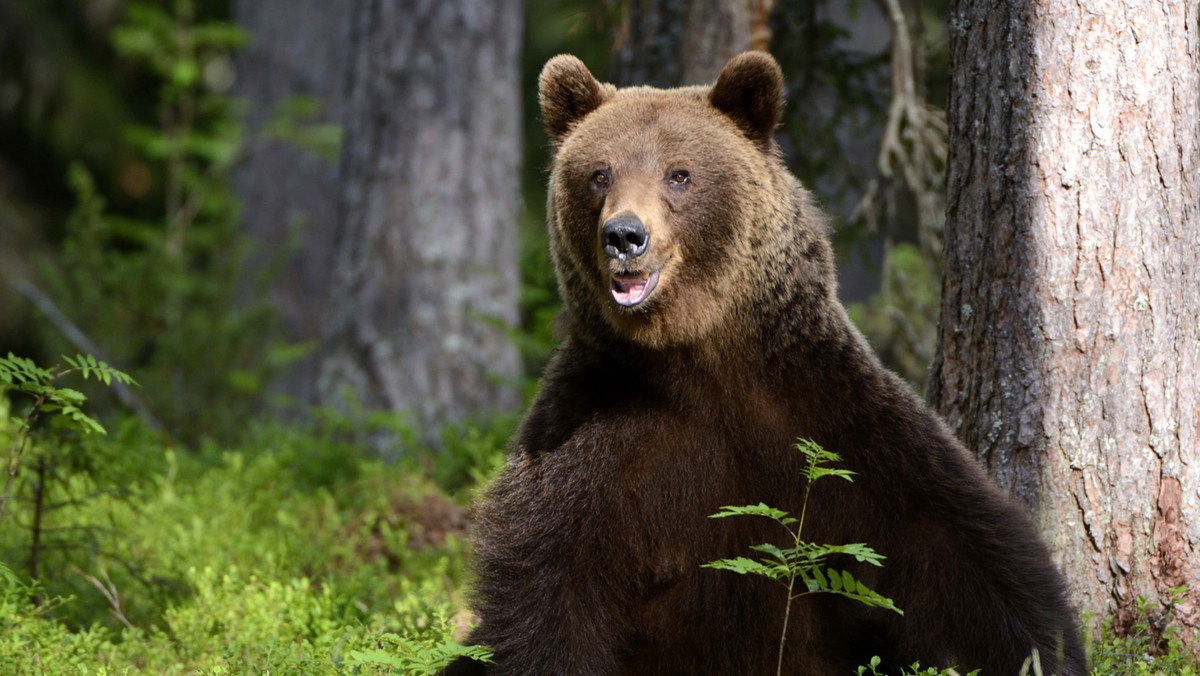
[297, 48]
[425, 277]
[1069, 345]
[668, 43]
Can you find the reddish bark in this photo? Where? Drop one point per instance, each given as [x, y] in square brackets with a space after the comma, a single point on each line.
[1069, 346]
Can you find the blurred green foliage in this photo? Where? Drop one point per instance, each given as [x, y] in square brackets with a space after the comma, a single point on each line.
[158, 290]
[1151, 646]
[243, 560]
[900, 320]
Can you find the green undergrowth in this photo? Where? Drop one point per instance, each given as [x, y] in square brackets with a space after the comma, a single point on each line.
[292, 552]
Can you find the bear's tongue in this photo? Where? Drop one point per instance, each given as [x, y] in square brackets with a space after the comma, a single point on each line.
[630, 289]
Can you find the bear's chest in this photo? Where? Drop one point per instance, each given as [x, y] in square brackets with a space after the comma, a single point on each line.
[663, 473]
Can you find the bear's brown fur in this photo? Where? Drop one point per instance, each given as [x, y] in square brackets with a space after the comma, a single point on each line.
[703, 337]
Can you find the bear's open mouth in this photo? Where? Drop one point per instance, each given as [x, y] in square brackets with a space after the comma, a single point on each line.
[631, 288]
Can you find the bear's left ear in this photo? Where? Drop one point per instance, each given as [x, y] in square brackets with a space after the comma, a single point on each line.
[750, 92]
[567, 92]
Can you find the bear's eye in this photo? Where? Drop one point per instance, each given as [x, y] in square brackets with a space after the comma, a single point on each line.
[679, 177]
[601, 178]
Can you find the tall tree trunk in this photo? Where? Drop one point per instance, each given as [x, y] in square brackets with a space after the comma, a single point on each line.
[297, 48]
[1069, 346]
[425, 276]
[668, 43]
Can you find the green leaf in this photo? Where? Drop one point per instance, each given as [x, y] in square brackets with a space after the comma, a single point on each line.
[417, 655]
[774, 551]
[750, 510]
[860, 551]
[810, 553]
[90, 367]
[813, 473]
[377, 657]
[149, 140]
[70, 396]
[835, 580]
[215, 149]
[817, 458]
[854, 589]
[73, 418]
[819, 579]
[744, 566]
[185, 73]
[225, 35]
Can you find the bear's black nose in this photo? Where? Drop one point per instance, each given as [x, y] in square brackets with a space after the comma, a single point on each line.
[624, 237]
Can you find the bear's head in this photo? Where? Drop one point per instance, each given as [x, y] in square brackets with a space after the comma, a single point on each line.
[665, 206]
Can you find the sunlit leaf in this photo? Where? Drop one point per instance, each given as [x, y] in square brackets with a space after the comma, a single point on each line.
[750, 510]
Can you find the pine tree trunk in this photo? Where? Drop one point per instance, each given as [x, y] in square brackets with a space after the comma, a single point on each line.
[425, 273]
[1069, 345]
[297, 48]
[668, 43]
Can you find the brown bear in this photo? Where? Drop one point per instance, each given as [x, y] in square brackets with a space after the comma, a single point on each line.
[703, 337]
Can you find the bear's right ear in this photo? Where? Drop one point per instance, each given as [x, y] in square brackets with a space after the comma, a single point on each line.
[567, 92]
[750, 92]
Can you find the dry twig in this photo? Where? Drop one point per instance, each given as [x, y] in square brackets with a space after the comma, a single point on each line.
[913, 143]
[109, 591]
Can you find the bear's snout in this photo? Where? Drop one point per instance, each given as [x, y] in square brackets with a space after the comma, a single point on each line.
[624, 236]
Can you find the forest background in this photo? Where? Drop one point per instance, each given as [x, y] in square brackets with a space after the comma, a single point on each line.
[313, 233]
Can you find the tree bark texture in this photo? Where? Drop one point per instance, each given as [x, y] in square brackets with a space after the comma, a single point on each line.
[425, 276]
[669, 43]
[1069, 345]
[297, 48]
